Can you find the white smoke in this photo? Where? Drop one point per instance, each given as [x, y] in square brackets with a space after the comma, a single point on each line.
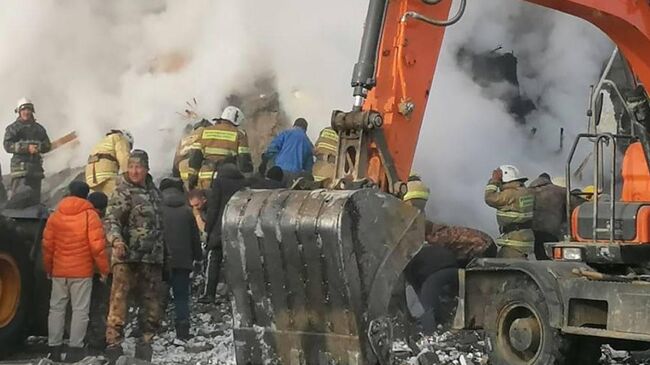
[92, 65]
[468, 133]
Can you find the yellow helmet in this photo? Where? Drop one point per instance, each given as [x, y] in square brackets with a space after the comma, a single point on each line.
[589, 189]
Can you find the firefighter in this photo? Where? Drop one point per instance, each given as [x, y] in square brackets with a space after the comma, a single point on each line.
[108, 159]
[27, 140]
[181, 167]
[217, 142]
[325, 152]
[417, 192]
[514, 203]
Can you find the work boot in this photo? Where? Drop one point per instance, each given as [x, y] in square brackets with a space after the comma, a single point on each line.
[183, 330]
[113, 352]
[143, 351]
[54, 353]
[75, 354]
[206, 299]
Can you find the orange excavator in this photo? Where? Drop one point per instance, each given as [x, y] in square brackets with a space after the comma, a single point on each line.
[315, 275]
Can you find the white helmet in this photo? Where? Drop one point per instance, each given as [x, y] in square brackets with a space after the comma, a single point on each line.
[24, 103]
[511, 173]
[233, 114]
[128, 135]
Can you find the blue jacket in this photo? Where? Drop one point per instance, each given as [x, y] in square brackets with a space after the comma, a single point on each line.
[291, 150]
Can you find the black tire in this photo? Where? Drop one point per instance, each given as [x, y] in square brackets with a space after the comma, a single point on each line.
[519, 333]
[15, 327]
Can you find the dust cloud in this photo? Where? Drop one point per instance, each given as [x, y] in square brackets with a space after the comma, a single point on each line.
[93, 65]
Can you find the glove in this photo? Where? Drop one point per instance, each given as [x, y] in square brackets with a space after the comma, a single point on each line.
[497, 175]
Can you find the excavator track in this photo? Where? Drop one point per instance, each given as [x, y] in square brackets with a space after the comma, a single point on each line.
[311, 270]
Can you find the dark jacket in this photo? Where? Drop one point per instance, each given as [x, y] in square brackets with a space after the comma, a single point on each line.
[549, 214]
[229, 181]
[18, 136]
[180, 231]
[427, 261]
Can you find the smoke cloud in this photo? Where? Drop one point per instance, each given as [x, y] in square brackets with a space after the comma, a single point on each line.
[92, 65]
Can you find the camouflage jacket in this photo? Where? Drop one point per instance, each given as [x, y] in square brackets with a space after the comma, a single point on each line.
[134, 216]
[18, 136]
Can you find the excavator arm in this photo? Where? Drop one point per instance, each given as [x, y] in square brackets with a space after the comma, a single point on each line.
[313, 273]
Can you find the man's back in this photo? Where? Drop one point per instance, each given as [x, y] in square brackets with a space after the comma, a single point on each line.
[550, 206]
[292, 151]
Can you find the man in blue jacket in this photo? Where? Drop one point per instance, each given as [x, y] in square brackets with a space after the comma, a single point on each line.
[292, 151]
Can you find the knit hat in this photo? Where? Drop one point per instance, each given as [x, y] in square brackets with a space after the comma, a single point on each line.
[79, 189]
[99, 200]
[171, 183]
[140, 157]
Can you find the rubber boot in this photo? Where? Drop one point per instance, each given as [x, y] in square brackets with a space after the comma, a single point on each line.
[183, 330]
[143, 351]
[113, 352]
[55, 353]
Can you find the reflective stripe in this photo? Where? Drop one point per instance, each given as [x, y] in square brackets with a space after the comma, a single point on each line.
[507, 242]
[526, 201]
[185, 175]
[105, 174]
[195, 146]
[515, 215]
[220, 135]
[219, 151]
[319, 178]
[416, 195]
[242, 150]
[329, 133]
[491, 188]
[206, 174]
[327, 146]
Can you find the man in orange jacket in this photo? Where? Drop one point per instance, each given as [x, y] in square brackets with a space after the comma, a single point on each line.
[73, 243]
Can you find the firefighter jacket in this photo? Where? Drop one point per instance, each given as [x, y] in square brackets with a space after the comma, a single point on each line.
[107, 159]
[215, 144]
[292, 151]
[134, 217]
[325, 152]
[514, 204]
[181, 158]
[18, 136]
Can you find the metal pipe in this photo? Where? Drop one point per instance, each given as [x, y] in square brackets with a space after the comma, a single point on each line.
[612, 194]
[567, 177]
[363, 74]
[594, 222]
[436, 22]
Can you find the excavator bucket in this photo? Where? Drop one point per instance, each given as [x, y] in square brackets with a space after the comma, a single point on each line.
[312, 273]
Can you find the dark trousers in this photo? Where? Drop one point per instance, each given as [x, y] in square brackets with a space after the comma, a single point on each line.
[215, 256]
[28, 181]
[540, 239]
[442, 283]
[180, 283]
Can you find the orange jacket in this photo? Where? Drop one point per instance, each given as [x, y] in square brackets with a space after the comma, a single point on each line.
[73, 240]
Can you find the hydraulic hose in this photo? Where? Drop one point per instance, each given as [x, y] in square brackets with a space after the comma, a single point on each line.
[435, 22]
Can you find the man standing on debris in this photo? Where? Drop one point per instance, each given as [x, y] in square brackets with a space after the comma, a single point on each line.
[27, 140]
[549, 216]
[417, 193]
[514, 203]
[134, 229]
[217, 142]
[73, 243]
[325, 152]
[292, 151]
[181, 167]
[229, 181]
[184, 245]
[108, 159]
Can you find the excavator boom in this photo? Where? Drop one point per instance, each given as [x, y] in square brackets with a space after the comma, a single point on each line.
[313, 273]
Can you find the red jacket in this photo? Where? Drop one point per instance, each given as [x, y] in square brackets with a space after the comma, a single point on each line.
[73, 240]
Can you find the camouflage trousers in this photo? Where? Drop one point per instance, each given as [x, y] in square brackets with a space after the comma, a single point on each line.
[144, 281]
